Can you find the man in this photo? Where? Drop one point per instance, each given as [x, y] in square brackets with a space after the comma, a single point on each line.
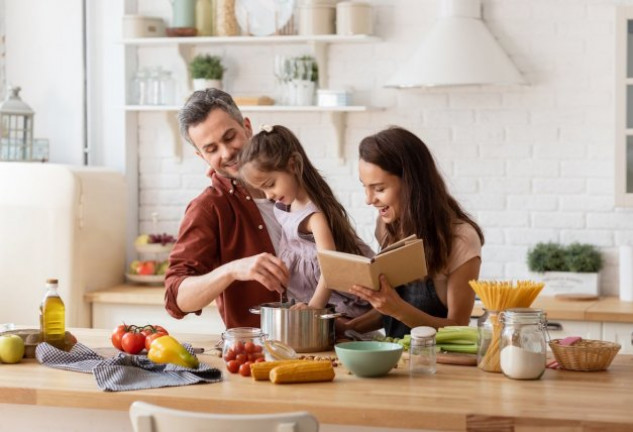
[226, 244]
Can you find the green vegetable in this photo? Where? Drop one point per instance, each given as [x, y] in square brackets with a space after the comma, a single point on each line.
[461, 339]
[468, 349]
[459, 335]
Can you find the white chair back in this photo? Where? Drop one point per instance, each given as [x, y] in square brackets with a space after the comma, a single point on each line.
[146, 417]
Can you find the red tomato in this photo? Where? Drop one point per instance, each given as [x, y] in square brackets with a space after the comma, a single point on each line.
[230, 355]
[259, 348]
[133, 342]
[150, 338]
[241, 358]
[238, 347]
[160, 329]
[245, 369]
[260, 359]
[117, 334]
[249, 347]
[233, 366]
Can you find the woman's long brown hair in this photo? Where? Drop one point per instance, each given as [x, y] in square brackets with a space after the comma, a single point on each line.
[428, 209]
[274, 151]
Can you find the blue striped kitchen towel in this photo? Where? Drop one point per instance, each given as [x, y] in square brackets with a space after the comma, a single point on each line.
[124, 372]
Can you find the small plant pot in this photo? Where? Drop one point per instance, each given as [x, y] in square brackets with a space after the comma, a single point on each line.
[202, 84]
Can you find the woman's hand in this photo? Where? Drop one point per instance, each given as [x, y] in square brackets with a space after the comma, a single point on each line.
[385, 300]
[299, 306]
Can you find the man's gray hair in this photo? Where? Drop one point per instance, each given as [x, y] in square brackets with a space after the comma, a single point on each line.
[200, 104]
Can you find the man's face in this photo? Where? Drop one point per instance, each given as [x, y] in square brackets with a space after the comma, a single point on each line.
[219, 139]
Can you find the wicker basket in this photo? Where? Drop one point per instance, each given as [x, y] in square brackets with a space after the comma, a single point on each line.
[585, 355]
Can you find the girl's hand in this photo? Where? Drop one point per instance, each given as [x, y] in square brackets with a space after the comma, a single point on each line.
[385, 300]
[299, 306]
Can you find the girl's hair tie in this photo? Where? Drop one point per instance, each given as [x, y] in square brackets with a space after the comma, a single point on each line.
[266, 128]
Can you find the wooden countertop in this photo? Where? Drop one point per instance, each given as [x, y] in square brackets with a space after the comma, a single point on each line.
[455, 398]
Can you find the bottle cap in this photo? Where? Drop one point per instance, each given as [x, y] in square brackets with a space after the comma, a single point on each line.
[51, 281]
[423, 332]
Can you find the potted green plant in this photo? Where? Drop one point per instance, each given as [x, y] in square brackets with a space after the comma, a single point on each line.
[206, 71]
[571, 269]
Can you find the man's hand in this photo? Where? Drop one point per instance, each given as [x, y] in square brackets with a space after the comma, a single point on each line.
[264, 268]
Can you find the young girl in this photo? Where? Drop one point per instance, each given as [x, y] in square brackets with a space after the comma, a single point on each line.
[311, 217]
[403, 183]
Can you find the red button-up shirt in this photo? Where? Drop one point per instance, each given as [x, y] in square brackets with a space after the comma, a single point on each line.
[222, 224]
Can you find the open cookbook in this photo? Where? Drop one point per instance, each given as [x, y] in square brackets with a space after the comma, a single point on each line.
[401, 262]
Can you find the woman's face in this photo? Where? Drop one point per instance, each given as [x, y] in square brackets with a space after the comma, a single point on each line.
[382, 190]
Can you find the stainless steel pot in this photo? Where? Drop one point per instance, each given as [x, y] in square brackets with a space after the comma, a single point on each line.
[305, 330]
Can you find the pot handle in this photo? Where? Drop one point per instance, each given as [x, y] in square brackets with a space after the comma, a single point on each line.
[331, 315]
[256, 310]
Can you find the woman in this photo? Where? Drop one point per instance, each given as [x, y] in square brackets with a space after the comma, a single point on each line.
[402, 181]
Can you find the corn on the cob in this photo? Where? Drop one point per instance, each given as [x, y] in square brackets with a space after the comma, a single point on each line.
[260, 371]
[305, 371]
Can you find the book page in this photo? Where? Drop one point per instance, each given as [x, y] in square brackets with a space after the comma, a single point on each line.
[402, 265]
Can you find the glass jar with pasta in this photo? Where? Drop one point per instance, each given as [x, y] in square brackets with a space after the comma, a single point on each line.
[488, 350]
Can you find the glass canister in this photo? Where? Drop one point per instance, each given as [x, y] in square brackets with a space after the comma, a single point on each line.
[489, 329]
[225, 20]
[523, 343]
[422, 358]
[242, 346]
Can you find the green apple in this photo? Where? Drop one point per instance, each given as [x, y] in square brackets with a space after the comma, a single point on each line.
[11, 348]
[134, 266]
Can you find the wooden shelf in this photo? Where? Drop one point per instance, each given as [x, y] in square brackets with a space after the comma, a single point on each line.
[248, 40]
[262, 108]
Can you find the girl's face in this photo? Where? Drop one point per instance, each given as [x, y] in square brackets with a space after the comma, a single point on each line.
[382, 190]
[279, 186]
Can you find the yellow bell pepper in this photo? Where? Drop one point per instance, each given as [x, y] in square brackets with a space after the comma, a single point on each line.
[166, 349]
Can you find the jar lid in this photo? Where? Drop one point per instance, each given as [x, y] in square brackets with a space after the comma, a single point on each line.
[279, 350]
[423, 332]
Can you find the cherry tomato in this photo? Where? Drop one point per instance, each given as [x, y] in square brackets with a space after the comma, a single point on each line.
[259, 348]
[117, 334]
[241, 358]
[260, 359]
[238, 347]
[233, 366]
[230, 355]
[133, 342]
[249, 347]
[245, 369]
[150, 338]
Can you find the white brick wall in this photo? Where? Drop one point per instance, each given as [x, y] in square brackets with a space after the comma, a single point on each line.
[531, 163]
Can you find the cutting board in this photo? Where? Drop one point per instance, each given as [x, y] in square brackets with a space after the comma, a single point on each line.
[576, 297]
[457, 359]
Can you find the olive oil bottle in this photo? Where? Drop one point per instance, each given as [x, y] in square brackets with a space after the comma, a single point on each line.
[53, 316]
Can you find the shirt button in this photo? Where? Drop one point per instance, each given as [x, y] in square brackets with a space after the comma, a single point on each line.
[248, 197]
[261, 227]
[231, 191]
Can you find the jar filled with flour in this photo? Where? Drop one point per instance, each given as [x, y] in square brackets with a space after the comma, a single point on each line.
[523, 343]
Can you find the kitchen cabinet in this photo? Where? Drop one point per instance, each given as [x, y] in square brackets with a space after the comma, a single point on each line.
[559, 329]
[624, 106]
[621, 333]
[144, 304]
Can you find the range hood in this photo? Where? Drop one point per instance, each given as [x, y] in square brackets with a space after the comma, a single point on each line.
[459, 50]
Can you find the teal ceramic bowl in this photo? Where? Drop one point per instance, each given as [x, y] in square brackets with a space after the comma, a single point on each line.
[368, 358]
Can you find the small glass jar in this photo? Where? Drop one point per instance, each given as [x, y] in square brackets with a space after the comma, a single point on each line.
[523, 343]
[422, 359]
[489, 329]
[243, 344]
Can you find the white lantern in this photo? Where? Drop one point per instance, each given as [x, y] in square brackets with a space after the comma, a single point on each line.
[16, 127]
